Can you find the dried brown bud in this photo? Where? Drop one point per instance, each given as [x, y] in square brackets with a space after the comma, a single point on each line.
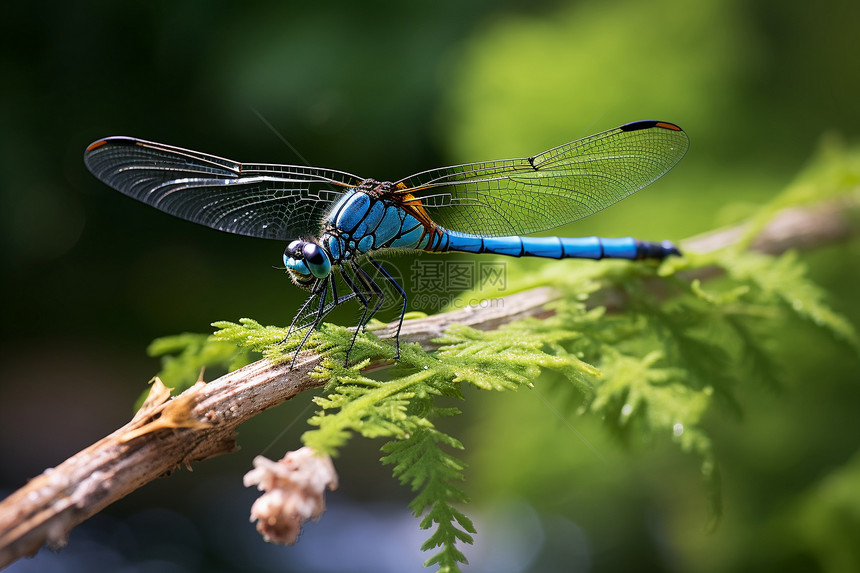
[294, 487]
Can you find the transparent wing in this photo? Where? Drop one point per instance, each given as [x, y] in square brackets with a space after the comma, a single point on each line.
[569, 182]
[258, 200]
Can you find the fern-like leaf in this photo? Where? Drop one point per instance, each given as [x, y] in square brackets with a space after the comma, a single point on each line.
[420, 462]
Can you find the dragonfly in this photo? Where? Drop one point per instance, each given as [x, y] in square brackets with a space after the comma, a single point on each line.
[336, 223]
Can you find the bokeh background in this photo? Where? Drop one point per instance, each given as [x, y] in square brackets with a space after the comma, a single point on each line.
[383, 89]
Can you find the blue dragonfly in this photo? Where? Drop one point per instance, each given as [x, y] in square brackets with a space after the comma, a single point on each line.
[336, 222]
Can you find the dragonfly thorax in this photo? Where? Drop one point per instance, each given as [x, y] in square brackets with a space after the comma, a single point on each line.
[375, 188]
[306, 262]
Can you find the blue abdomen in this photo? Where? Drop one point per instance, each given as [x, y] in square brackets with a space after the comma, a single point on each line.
[555, 247]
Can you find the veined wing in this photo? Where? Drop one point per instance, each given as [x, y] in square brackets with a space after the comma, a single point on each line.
[569, 182]
[258, 200]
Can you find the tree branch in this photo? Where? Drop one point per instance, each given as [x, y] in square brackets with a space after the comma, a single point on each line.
[201, 422]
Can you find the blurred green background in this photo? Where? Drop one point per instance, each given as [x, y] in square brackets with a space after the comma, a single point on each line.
[384, 89]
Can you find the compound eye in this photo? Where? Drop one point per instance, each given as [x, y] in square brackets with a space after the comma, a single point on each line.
[313, 254]
[317, 260]
[292, 248]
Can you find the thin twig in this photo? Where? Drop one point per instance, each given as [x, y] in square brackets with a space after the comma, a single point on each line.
[200, 423]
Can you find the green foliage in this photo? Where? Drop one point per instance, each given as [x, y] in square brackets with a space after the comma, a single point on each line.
[185, 357]
[647, 348]
[420, 462]
[827, 518]
[404, 410]
[505, 67]
[651, 372]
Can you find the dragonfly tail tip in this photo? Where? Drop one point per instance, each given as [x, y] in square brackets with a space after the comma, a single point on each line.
[651, 250]
[670, 248]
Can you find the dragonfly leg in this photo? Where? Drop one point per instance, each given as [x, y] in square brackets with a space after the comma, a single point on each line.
[317, 316]
[320, 313]
[318, 288]
[400, 290]
[377, 293]
[363, 297]
[336, 300]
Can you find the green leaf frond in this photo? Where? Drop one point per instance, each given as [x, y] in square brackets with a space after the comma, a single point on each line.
[184, 357]
[783, 281]
[420, 463]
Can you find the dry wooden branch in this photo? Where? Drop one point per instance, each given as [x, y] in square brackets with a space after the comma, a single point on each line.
[198, 424]
[201, 422]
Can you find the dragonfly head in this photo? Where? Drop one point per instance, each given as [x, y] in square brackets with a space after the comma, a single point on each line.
[306, 262]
